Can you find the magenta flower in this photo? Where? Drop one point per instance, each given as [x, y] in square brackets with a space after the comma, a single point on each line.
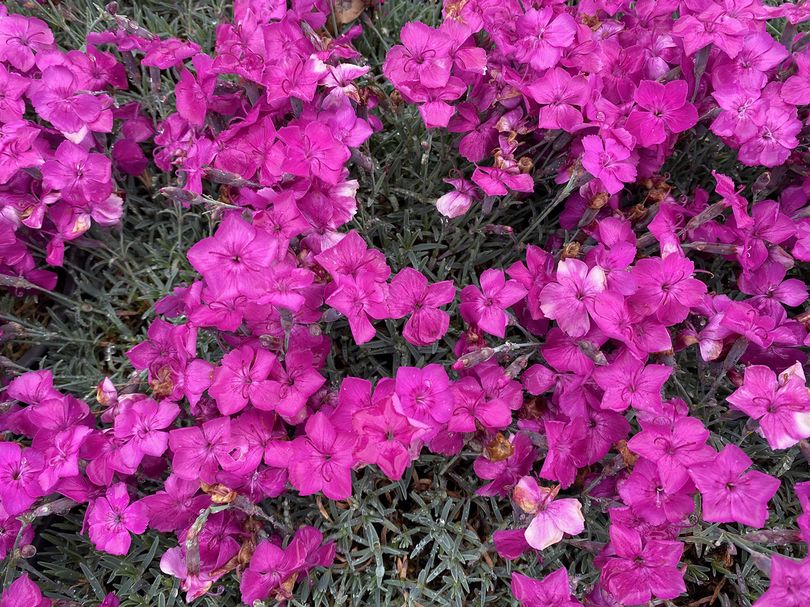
[561, 98]
[780, 405]
[61, 460]
[273, 570]
[22, 592]
[322, 459]
[646, 494]
[642, 569]
[12, 88]
[628, 382]
[410, 293]
[674, 448]
[566, 450]
[358, 299]
[21, 37]
[111, 518]
[666, 287]
[568, 298]
[459, 200]
[790, 583]
[386, 438]
[352, 258]
[288, 387]
[498, 181]
[19, 477]
[796, 89]
[177, 505]
[240, 379]
[552, 591]
[196, 450]
[552, 517]
[664, 110]
[313, 150]
[486, 307]
[730, 494]
[609, 161]
[505, 473]
[423, 58]
[424, 395]
[141, 429]
[774, 139]
[80, 177]
[542, 36]
[236, 258]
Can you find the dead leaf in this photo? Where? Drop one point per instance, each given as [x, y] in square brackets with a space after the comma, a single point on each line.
[346, 11]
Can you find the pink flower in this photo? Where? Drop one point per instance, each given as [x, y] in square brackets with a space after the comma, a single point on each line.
[352, 258]
[771, 145]
[61, 460]
[505, 473]
[273, 570]
[552, 591]
[711, 24]
[12, 88]
[552, 517]
[566, 450]
[80, 177]
[423, 58]
[780, 405]
[235, 259]
[358, 299]
[609, 161]
[486, 307]
[568, 298]
[19, 477]
[790, 583]
[410, 293]
[177, 505]
[193, 93]
[111, 518]
[639, 569]
[458, 201]
[497, 181]
[730, 494]
[288, 387]
[141, 428]
[664, 110]
[240, 379]
[21, 37]
[666, 287]
[22, 592]
[196, 450]
[674, 447]
[651, 500]
[628, 382]
[312, 150]
[58, 98]
[561, 97]
[322, 459]
[796, 89]
[386, 437]
[423, 395]
[542, 36]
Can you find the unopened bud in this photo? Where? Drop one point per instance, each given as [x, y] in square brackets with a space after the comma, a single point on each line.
[591, 351]
[471, 359]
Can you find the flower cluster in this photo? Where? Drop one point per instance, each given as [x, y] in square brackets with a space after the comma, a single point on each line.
[601, 91]
[564, 377]
[58, 119]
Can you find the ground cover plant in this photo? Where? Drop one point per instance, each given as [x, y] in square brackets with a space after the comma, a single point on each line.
[404, 303]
